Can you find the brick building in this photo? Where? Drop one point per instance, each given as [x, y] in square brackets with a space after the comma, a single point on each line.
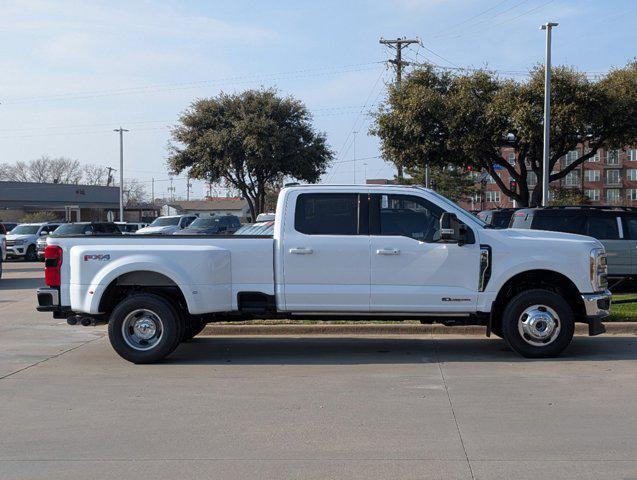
[609, 178]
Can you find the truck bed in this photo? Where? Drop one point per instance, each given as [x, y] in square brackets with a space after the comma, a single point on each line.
[209, 270]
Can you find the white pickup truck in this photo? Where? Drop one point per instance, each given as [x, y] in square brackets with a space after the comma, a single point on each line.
[356, 252]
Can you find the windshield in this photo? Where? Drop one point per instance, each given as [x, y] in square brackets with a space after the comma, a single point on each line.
[25, 230]
[205, 222]
[464, 213]
[71, 229]
[165, 222]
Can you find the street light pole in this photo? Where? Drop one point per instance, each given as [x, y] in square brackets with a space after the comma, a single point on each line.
[121, 171]
[547, 114]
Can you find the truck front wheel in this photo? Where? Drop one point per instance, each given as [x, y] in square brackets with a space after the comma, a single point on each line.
[538, 323]
[144, 328]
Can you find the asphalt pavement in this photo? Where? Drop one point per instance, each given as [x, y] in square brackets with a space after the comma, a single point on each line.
[307, 407]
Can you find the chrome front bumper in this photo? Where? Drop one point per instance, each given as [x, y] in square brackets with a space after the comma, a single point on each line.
[597, 304]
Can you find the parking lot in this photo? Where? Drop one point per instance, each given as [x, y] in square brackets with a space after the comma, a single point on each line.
[408, 407]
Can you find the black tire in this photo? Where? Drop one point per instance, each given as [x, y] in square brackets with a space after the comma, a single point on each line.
[527, 345]
[192, 328]
[31, 255]
[170, 325]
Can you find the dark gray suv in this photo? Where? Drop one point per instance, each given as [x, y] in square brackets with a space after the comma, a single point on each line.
[615, 227]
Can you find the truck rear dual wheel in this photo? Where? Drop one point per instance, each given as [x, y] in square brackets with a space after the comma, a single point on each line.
[145, 328]
[538, 323]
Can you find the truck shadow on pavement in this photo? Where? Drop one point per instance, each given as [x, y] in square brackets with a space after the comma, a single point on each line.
[352, 350]
[20, 283]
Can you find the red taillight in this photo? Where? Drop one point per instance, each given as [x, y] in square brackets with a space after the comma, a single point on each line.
[52, 265]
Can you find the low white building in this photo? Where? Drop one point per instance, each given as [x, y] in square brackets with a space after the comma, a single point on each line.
[211, 206]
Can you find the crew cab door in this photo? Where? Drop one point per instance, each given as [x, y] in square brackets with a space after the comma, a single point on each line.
[325, 252]
[411, 269]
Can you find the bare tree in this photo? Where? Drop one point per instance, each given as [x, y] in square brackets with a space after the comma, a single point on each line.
[94, 175]
[134, 192]
[65, 170]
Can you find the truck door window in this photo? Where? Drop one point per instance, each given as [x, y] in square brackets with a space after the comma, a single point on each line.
[409, 216]
[327, 214]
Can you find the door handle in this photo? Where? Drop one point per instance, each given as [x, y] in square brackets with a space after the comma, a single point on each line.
[388, 251]
[301, 251]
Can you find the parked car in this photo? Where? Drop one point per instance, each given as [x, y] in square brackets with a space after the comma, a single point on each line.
[265, 217]
[258, 228]
[364, 251]
[215, 225]
[22, 240]
[614, 227]
[78, 228]
[8, 226]
[128, 228]
[167, 225]
[497, 218]
[3, 247]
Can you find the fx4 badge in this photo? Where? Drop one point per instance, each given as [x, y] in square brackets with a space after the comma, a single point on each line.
[450, 299]
[100, 257]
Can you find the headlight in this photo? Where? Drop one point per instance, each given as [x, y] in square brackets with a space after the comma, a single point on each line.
[20, 241]
[598, 269]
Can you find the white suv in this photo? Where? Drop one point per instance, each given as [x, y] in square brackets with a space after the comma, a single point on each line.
[22, 240]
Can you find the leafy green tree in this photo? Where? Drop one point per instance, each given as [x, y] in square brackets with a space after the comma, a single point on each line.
[443, 119]
[568, 196]
[452, 182]
[252, 140]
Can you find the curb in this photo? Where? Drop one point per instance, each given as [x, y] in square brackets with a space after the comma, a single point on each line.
[612, 328]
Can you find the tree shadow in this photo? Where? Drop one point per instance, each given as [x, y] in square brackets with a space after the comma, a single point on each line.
[379, 350]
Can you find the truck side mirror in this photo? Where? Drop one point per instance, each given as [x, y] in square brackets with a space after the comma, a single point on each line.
[452, 230]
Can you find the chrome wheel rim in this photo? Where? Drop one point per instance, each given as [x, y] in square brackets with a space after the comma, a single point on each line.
[142, 329]
[539, 325]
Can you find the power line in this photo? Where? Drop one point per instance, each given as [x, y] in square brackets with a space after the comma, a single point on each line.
[354, 126]
[454, 27]
[313, 72]
[508, 20]
[486, 20]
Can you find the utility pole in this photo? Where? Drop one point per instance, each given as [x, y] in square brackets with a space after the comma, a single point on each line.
[547, 114]
[354, 148]
[171, 189]
[121, 171]
[188, 185]
[152, 190]
[398, 44]
[110, 176]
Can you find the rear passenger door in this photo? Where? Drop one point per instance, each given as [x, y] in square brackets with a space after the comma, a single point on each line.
[325, 252]
[607, 228]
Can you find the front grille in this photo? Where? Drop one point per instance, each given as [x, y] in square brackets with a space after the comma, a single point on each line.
[10, 243]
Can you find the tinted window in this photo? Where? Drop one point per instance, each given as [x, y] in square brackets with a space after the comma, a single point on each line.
[631, 223]
[409, 216]
[521, 220]
[559, 222]
[501, 219]
[327, 214]
[603, 227]
[187, 221]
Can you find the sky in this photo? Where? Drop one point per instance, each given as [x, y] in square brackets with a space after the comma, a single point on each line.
[72, 71]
